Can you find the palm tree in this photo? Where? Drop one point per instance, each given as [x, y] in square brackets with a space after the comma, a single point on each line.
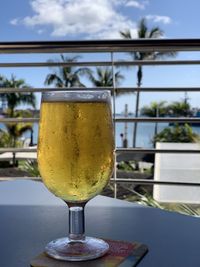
[178, 109]
[15, 99]
[156, 109]
[67, 76]
[177, 134]
[144, 32]
[14, 131]
[104, 78]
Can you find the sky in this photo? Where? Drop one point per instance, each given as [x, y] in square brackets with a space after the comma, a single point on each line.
[103, 19]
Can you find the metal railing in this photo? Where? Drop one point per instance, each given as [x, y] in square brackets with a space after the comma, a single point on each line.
[112, 47]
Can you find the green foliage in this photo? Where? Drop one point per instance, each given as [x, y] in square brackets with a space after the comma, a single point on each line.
[144, 32]
[31, 166]
[161, 109]
[125, 165]
[67, 76]
[155, 109]
[178, 109]
[15, 99]
[16, 130]
[5, 139]
[186, 209]
[103, 77]
[177, 134]
[148, 200]
[10, 136]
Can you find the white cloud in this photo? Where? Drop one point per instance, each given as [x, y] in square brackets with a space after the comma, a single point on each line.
[136, 4]
[40, 31]
[91, 18]
[14, 21]
[157, 18]
[131, 3]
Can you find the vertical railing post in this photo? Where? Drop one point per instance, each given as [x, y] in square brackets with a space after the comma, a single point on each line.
[114, 116]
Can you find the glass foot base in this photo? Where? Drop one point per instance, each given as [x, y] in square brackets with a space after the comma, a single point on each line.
[70, 250]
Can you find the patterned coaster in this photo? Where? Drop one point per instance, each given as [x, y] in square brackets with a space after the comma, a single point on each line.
[121, 253]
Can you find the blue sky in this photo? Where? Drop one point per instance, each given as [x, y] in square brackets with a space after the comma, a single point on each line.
[102, 19]
[51, 19]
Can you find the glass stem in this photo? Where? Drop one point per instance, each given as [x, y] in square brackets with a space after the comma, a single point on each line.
[76, 223]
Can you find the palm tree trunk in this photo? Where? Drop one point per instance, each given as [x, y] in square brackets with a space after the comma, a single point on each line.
[12, 112]
[136, 115]
[156, 126]
[14, 155]
[139, 78]
[14, 160]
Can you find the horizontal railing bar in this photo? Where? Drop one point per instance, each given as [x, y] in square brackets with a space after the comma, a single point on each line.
[156, 62]
[152, 182]
[118, 150]
[100, 63]
[119, 89]
[120, 45]
[117, 181]
[165, 89]
[56, 64]
[41, 90]
[160, 119]
[18, 120]
[139, 119]
[153, 150]
[17, 149]
[11, 178]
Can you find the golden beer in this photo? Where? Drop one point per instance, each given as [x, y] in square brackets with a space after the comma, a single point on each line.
[75, 149]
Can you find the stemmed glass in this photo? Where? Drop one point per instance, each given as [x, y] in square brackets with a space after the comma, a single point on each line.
[75, 157]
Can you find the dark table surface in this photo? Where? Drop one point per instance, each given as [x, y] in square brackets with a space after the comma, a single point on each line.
[30, 217]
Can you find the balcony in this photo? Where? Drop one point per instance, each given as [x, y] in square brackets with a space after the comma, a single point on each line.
[113, 54]
[31, 216]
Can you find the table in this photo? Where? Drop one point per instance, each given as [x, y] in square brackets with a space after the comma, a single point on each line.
[30, 217]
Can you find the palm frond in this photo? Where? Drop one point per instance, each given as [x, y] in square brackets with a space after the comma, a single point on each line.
[31, 167]
[67, 76]
[144, 32]
[142, 29]
[161, 55]
[28, 98]
[155, 33]
[14, 99]
[126, 34]
[83, 71]
[53, 78]
[103, 77]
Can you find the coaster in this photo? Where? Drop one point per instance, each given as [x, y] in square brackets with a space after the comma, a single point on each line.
[121, 253]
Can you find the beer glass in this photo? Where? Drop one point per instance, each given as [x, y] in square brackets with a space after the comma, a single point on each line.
[75, 157]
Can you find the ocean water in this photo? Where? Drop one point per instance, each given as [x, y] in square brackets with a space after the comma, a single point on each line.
[145, 133]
